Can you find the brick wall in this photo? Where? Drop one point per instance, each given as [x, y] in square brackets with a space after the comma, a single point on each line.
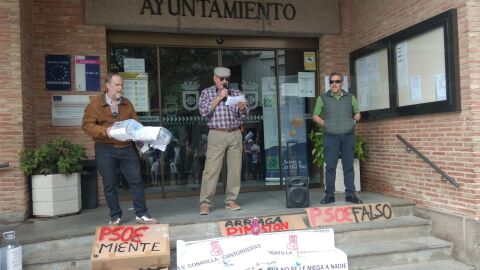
[451, 140]
[36, 28]
[60, 29]
[12, 188]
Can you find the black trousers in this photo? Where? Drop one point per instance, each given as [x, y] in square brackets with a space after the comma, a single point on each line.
[109, 161]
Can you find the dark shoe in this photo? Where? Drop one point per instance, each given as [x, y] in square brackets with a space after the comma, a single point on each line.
[353, 199]
[146, 219]
[328, 199]
[115, 221]
[204, 209]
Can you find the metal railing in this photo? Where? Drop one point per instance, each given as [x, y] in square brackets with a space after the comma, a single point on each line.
[411, 148]
[4, 165]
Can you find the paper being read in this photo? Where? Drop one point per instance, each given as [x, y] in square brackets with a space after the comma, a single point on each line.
[233, 100]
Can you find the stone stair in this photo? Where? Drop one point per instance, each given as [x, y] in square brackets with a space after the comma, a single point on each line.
[403, 243]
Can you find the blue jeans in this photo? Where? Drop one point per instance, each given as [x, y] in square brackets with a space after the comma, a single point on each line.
[109, 161]
[334, 146]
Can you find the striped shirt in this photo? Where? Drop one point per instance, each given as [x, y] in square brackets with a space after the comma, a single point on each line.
[222, 116]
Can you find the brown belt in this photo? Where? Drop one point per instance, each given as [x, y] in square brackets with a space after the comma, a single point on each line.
[225, 129]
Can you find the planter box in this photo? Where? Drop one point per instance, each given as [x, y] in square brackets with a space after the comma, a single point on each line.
[56, 194]
[339, 185]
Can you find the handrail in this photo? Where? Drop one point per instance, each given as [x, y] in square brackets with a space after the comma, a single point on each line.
[428, 161]
[4, 165]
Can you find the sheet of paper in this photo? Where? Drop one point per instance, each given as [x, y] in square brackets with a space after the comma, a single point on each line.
[233, 100]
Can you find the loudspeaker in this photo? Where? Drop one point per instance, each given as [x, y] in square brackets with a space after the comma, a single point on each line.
[297, 192]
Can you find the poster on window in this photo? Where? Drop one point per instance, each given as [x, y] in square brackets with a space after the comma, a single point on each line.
[135, 88]
[57, 73]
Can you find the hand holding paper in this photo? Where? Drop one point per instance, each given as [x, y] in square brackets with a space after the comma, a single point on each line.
[233, 100]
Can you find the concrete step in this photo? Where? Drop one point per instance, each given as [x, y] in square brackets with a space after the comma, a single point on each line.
[78, 248]
[433, 265]
[404, 240]
[397, 252]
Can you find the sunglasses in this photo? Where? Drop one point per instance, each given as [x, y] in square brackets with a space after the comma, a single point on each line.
[224, 78]
[336, 81]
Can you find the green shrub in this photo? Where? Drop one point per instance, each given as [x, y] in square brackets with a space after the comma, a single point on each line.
[58, 157]
[316, 136]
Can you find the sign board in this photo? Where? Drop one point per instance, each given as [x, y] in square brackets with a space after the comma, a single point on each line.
[325, 216]
[243, 226]
[309, 249]
[67, 110]
[57, 72]
[135, 88]
[87, 73]
[131, 247]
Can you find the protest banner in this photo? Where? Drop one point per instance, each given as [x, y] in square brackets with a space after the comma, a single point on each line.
[131, 247]
[268, 224]
[331, 215]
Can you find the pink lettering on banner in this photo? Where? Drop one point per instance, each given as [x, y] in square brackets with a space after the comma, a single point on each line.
[87, 61]
[324, 216]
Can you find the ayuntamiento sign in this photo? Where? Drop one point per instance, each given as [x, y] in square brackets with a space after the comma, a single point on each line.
[298, 17]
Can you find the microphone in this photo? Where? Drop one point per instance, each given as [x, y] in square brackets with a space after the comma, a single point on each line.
[225, 86]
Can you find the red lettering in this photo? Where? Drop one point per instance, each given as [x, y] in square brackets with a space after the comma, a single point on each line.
[103, 232]
[346, 214]
[314, 213]
[280, 226]
[125, 234]
[331, 216]
[232, 230]
[267, 228]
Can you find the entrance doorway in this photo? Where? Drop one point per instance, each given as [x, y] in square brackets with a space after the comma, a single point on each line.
[278, 84]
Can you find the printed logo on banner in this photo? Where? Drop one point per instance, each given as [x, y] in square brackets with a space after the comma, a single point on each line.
[216, 248]
[57, 72]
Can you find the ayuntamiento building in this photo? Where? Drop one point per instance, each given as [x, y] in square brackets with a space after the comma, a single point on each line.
[413, 65]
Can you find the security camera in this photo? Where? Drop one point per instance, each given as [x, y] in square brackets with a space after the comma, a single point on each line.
[219, 40]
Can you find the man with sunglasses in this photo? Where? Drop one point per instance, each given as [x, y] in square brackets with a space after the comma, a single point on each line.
[224, 136]
[337, 112]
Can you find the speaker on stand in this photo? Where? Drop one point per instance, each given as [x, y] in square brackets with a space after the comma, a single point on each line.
[297, 192]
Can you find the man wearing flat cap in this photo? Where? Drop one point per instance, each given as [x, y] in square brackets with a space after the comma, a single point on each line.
[224, 136]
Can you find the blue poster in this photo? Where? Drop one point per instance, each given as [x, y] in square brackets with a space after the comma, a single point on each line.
[57, 72]
[87, 73]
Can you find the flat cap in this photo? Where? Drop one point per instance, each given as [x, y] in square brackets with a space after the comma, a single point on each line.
[222, 72]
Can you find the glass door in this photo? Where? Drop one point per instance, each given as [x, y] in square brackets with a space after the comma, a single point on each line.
[184, 72]
[165, 83]
[296, 84]
[251, 71]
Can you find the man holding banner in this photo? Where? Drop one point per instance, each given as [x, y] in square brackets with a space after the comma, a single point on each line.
[111, 154]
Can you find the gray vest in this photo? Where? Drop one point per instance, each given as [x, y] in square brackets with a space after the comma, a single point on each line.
[338, 114]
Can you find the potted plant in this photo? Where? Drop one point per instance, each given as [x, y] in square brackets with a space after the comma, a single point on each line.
[316, 136]
[55, 170]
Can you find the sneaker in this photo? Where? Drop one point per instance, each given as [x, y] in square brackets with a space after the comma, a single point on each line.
[204, 209]
[232, 205]
[353, 199]
[328, 199]
[146, 219]
[115, 221]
